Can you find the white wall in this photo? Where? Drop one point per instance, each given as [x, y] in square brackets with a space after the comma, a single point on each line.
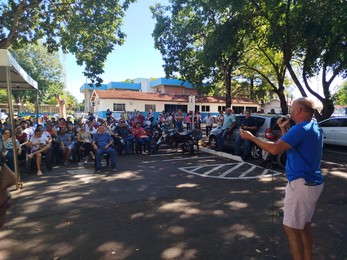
[145, 87]
[139, 105]
[130, 105]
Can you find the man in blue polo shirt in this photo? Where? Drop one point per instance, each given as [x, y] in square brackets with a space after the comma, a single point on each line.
[228, 126]
[102, 142]
[304, 145]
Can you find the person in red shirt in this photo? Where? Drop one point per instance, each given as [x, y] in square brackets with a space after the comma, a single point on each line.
[141, 138]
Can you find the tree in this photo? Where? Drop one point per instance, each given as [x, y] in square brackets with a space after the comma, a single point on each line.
[201, 41]
[88, 29]
[44, 67]
[3, 96]
[340, 97]
[266, 63]
[312, 35]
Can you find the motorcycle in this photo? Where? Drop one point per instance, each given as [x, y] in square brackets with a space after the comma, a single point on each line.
[161, 136]
[186, 140]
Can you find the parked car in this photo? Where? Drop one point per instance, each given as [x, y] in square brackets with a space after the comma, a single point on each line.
[334, 130]
[267, 130]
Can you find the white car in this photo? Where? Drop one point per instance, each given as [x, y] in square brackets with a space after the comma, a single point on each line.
[335, 130]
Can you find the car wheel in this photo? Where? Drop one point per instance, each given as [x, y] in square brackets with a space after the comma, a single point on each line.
[213, 142]
[282, 159]
[256, 152]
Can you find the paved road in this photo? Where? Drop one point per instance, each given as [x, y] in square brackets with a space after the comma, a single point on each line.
[166, 206]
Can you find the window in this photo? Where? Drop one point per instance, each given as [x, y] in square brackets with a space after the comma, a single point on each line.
[174, 108]
[252, 109]
[148, 107]
[118, 107]
[205, 108]
[238, 109]
[221, 108]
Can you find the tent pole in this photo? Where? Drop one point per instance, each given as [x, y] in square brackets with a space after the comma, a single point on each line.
[13, 133]
[37, 106]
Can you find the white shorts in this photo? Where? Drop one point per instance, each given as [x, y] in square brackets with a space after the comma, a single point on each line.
[299, 203]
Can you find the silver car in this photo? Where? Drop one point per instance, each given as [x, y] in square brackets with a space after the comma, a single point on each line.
[334, 130]
[267, 130]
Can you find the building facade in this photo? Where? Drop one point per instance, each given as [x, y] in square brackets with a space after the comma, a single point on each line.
[167, 95]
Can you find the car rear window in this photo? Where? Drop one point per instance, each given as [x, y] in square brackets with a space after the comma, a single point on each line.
[330, 123]
[273, 124]
[260, 121]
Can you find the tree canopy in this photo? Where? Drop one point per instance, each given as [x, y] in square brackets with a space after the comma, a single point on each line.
[201, 40]
[340, 97]
[47, 70]
[44, 67]
[88, 29]
[208, 41]
[311, 34]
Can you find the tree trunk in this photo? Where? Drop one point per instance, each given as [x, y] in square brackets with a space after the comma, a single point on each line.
[327, 111]
[283, 102]
[227, 80]
[251, 90]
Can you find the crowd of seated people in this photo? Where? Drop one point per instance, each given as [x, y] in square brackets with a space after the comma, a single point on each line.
[73, 141]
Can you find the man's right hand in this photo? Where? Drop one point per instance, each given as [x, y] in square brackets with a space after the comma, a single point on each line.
[282, 123]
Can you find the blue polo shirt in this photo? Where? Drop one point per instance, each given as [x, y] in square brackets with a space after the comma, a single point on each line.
[102, 140]
[228, 121]
[304, 156]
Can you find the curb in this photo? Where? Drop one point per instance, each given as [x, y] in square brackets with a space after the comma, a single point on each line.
[221, 154]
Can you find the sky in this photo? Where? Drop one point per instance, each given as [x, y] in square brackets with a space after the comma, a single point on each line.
[136, 58]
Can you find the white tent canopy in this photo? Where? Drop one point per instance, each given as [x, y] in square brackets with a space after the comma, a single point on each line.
[19, 78]
[13, 77]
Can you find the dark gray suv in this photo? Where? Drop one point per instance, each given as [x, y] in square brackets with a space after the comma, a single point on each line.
[267, 130]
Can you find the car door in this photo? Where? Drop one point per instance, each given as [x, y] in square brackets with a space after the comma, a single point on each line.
[330, 127]
[231, 138]
[341, 132]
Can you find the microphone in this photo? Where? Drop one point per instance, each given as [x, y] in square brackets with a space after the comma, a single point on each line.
[285, 118]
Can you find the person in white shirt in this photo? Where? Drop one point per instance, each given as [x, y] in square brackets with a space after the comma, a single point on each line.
[45, 133]
[209, 122]
[26, 129]
[39, 144]
[91, 129]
